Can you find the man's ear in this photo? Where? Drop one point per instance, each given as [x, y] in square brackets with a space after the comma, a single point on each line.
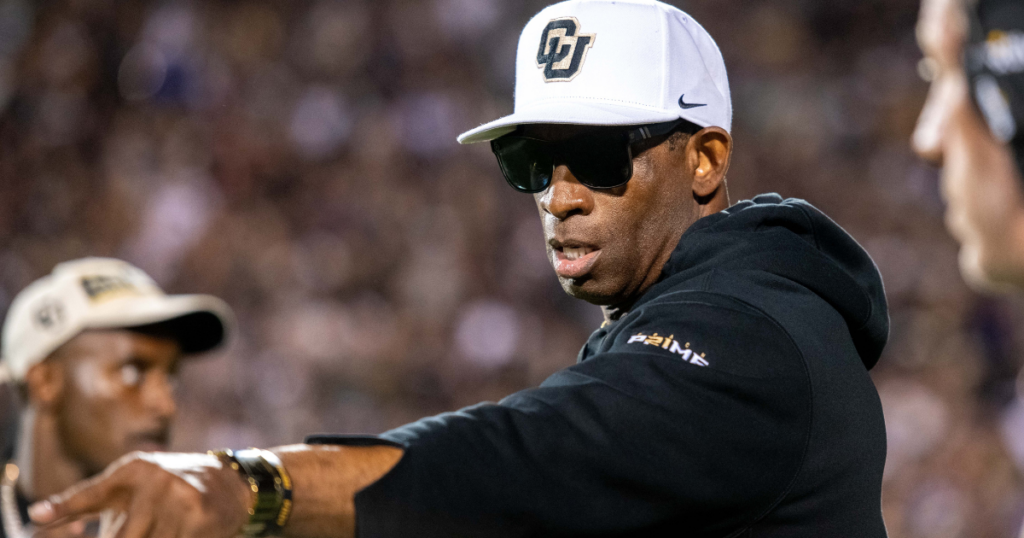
[711, 152]
[44, 384]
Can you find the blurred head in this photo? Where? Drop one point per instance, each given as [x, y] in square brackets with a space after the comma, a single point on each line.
[94, 345]
[109, 392]
[607, 246]
[981, 181]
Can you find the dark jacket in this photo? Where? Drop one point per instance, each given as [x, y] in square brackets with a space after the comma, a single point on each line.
[733, 399]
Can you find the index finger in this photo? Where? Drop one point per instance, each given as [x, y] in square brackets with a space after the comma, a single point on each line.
[88, 497]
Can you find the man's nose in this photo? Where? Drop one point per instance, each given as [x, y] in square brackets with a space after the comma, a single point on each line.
[160, 396]
[566, 196]
[930, 131]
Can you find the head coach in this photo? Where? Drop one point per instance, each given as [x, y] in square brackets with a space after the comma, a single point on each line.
[727, 393]
[93, 349]
[972, 125]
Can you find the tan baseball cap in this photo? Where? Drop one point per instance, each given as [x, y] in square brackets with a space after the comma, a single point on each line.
[102, 293]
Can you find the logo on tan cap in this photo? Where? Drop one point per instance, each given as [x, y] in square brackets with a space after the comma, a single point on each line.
[50, 315]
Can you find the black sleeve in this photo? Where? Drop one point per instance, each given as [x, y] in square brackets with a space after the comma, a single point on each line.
[694, 419]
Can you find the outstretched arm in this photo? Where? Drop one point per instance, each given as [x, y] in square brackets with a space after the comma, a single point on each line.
[694, 430]
[326, 482]
[195, 495]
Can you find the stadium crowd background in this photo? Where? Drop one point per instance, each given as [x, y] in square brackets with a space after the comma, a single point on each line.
[298, 159]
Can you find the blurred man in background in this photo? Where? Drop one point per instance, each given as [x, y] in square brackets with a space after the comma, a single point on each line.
[93, 349]
[972, 126]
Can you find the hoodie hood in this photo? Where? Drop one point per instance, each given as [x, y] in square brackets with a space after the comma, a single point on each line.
[793, 240]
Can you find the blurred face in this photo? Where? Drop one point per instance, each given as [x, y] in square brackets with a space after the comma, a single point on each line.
[116, 395]
[607, 246]
[980, 182]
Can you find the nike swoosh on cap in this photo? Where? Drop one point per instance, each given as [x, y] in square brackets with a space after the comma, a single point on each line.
[684, 104]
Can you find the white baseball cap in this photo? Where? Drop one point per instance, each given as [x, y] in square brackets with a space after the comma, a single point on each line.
[615, 62]
[102, 293]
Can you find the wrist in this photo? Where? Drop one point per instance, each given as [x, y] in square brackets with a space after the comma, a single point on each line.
[269, 495]
[327, 479]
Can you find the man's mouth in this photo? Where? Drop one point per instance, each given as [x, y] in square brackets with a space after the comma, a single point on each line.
[575, 262]
[156, 441]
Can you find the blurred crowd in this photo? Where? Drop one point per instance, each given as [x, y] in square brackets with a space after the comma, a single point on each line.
[297, 158]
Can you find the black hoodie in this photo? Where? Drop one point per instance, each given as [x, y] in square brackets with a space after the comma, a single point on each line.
[733, 399]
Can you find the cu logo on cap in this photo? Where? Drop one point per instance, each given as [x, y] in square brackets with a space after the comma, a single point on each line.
[50, 315]
[562, 52]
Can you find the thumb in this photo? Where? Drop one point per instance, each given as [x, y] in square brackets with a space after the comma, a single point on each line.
[75, 529]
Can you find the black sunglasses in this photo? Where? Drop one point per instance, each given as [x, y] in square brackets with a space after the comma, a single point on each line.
[599, 159]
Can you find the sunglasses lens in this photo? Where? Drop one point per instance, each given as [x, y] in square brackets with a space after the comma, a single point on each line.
[600, 160]
[526, 163]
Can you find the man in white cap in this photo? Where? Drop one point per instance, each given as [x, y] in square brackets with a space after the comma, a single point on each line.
[726, 394]
[93, 349]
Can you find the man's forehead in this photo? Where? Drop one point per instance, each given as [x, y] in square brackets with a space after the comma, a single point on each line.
[115, 344]
[559, 131]
[942, 29]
